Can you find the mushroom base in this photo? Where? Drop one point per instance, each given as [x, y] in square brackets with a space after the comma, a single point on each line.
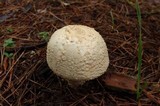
[75, 83]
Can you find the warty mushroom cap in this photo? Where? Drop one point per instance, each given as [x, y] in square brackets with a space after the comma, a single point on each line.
[77, 53]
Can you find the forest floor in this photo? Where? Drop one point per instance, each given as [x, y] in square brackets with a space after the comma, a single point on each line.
[25, 78]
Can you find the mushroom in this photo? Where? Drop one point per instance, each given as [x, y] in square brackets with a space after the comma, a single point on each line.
[77, 53]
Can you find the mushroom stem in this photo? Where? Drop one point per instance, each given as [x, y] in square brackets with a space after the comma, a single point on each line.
[75, 83]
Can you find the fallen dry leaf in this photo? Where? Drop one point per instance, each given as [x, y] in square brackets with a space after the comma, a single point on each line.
[120, 81]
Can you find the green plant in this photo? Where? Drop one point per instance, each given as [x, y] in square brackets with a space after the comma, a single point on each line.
[9, 30]
[8, 43]
[139, 50]
[7, 54]
[112, 18]
[44, 35]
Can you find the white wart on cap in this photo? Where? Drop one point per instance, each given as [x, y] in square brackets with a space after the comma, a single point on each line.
[77, 53]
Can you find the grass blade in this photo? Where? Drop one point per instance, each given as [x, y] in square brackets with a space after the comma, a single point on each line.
[139, 49]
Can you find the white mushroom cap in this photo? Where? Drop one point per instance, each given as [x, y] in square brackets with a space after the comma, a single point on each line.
[77, 53]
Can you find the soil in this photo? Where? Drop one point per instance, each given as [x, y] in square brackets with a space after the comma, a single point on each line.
[26, 79]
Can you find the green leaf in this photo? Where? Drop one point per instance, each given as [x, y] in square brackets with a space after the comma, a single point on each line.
[9, 55]
[9, 30]
[44, 35]
[8, 43]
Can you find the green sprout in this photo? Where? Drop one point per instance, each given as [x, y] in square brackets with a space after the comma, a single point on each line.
[7, 54]
[9, 30]
[8, 43]
[44, 35]
[112, 17]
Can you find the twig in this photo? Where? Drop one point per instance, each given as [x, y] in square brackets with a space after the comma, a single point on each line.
[151, 97]
[2, 81]
[5, 100]
[30, 47]
[57, 18]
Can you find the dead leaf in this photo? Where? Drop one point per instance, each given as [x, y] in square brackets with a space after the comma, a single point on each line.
[120, 81]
